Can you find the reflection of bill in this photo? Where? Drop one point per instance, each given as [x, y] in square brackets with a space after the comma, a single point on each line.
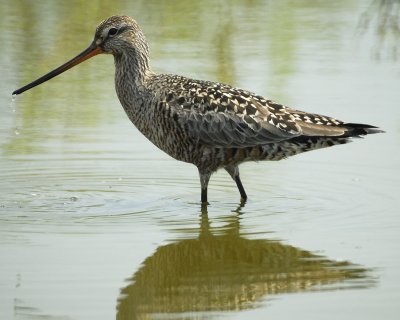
[221, 270]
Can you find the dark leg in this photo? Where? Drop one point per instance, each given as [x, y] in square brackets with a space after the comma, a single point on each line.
[234, 172]
[203, 195]
[204, 179]
[243, 194]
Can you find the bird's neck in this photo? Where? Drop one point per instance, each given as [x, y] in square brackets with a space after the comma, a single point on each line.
[132, 75]
[132, 67]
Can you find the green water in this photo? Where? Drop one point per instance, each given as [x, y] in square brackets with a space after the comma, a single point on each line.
[97, 223]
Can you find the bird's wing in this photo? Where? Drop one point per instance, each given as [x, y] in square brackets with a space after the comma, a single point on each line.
[222, 116]
[316, 125]
[313, 125]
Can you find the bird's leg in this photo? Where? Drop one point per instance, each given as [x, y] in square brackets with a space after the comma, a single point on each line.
[234, 172]
[204, 179]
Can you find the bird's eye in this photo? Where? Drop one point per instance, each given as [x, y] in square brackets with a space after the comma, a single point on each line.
[112, 31]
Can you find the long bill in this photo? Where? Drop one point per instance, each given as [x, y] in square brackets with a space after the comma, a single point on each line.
[91, 51]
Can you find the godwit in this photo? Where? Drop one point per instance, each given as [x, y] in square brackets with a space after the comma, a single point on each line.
[209, 124]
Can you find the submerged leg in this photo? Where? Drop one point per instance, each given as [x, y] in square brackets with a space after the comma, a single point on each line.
[234, 172]
[204, 179]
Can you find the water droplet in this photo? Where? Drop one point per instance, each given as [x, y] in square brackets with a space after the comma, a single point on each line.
[16, 132]
[74, 198]
[12, 104]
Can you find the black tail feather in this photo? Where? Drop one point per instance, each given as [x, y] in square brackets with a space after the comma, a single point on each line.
[359, 129]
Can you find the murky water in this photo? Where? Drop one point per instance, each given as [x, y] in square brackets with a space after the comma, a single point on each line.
[97, 223]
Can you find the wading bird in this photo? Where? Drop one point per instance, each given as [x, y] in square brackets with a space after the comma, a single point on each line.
[209, 124]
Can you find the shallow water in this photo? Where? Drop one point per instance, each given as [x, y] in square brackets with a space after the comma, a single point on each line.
[97, 223]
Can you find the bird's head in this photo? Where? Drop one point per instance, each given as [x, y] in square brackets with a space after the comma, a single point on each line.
[118, 34]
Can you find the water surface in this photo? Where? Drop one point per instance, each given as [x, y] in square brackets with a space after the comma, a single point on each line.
[97, 223]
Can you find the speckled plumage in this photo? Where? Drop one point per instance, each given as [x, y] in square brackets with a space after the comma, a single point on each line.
[209, 124]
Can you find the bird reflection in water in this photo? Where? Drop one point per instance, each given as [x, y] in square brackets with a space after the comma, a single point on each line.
[221, 270]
